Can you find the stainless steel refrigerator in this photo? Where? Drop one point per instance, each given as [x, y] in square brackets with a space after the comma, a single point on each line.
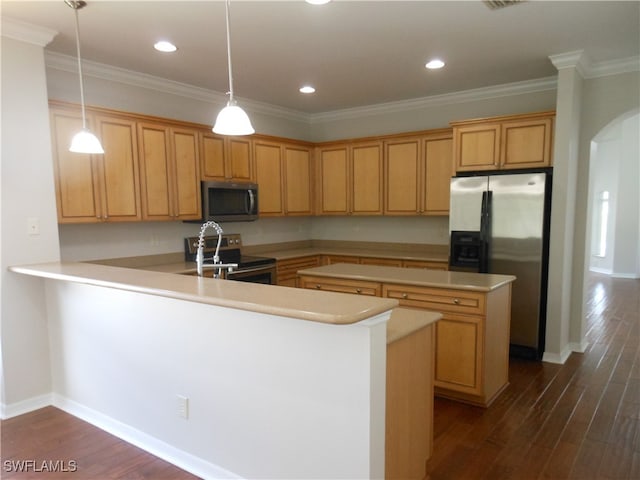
[499, 223]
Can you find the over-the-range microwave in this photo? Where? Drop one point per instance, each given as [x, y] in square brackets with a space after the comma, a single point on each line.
[229, 202]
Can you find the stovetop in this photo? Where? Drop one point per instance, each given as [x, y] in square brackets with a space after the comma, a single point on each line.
[230, 251]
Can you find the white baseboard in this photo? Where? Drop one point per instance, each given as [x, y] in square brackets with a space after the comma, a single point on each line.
[154, 446]
[561, 358]
[631, 276]
[25, 406]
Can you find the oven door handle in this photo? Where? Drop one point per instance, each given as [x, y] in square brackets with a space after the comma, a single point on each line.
[250, 270]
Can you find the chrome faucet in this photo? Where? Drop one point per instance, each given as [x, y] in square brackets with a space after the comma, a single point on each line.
[217, 265]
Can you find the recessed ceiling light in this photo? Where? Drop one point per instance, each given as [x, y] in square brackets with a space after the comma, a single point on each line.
[317, 2]
[307, 89]
[164, 46]
[435, 64]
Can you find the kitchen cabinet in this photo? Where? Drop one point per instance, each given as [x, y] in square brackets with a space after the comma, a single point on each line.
[425, 264]
[472, 338]
[409, 398]
[506, 142]
[417, 172]
[169, 172]
[331, 259]
[350, 178]
[358, 287]
[287, 270]
[298, 180]
[96, 188]
[226, 159]
[283, 174]
[386, 262]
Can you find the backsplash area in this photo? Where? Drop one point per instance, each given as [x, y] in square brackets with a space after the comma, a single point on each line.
[113, 240]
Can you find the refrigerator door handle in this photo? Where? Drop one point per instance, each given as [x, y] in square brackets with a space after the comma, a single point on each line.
[485, 230]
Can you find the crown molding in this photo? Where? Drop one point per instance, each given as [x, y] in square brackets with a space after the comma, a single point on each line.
[568, 60]
[27, 32]
[613, 67]
[110, 73]
[496, 91]
[579, 60]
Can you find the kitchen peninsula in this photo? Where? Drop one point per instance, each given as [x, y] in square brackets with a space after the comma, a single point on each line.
[472, 338]
[223, 378]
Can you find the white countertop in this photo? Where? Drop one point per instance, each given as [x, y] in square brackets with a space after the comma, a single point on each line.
[482, 282]
[324, 307]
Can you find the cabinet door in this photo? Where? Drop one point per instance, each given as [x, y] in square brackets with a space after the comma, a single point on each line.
[186, 174]
[526, 143]
[269, 177]
[226, 158]
[459, 341]
[298, 192]
[333, 171]
[402, 174]
[366, 179]
[118, 169]
[240, 163]
[212, 157]
[438, 155]
[155, 172]
[76, 174]
[477, 147]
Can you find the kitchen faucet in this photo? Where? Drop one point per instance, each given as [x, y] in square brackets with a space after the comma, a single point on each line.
[217, 265]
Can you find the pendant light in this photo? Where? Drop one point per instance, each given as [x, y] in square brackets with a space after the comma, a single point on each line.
[232, 120]
[84, 141]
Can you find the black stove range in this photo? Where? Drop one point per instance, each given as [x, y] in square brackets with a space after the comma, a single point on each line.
[251, 268]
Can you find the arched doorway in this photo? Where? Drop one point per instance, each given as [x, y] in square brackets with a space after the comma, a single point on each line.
[613, 228]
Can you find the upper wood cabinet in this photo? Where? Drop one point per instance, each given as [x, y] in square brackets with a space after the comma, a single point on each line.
[283, 174]
[350, 178]
[226, 158]
[417, 172]
[169, 172]
[507, 142]
[96, 188]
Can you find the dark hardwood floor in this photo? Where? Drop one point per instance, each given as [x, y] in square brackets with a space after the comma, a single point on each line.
[580, 420]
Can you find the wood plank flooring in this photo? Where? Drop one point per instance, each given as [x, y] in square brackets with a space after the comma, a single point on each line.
[580, 420]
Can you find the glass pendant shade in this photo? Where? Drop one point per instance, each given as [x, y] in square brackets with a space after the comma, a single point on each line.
[85, 142]
[232, 120]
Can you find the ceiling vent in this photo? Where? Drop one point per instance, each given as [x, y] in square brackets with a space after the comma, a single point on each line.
[496, 4]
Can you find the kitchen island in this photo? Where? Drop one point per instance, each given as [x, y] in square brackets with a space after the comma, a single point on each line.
[472, 338]
[224, 379]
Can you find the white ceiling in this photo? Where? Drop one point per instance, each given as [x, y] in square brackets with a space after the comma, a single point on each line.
[356, 53]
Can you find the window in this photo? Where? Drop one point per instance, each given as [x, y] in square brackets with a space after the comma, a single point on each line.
[602, 219]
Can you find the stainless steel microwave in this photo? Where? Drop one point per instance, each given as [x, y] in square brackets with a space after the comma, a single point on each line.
[229, 202]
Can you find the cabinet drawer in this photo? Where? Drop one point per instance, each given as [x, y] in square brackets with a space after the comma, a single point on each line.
[437, 299]
[339, 285]
[425, 264]
[331, 259]
[385, 262]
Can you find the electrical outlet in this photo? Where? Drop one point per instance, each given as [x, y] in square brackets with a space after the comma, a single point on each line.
[183, 406]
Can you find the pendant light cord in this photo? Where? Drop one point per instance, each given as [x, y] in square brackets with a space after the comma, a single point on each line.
[231, 101]
[84, 118]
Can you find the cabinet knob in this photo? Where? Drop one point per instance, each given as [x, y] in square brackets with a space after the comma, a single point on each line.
[404, 295]
[456, 301]
[318, 286]
[358, 290]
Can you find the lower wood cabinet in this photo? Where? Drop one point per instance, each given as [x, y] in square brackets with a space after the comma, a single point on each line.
[472, 338]
[409, 405]
[287, 270]
[339, 285]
